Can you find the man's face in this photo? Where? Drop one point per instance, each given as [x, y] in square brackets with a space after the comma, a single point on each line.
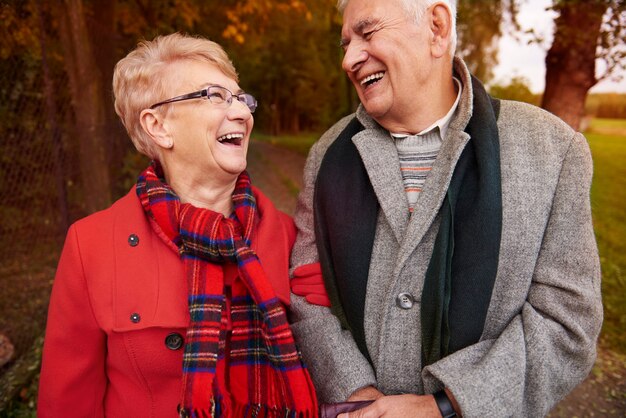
[387, 58]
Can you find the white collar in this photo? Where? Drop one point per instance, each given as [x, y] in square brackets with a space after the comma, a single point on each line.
[441, 123]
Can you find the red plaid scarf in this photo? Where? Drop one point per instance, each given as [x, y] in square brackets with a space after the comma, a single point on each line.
[258, 372]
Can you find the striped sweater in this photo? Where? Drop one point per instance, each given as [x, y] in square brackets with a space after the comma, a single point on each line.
[418, 152]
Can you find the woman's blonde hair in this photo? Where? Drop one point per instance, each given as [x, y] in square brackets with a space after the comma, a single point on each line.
[139, 78]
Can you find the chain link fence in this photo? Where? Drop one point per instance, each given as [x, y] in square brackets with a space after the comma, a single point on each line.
[33, 204]
[40, 188]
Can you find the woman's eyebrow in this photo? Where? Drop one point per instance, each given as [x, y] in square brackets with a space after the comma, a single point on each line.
[204, 86]
[207, 85]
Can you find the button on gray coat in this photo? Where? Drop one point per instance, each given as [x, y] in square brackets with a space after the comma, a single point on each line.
[545, 314]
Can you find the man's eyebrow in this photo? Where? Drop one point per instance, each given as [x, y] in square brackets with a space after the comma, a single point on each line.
[358, 28]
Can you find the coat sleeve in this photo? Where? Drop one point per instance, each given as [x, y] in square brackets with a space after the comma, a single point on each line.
[336, 365]
[550, 346]
[73, 379]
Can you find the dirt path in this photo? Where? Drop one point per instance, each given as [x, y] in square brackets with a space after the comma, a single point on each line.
[278, 172]
[602, 394]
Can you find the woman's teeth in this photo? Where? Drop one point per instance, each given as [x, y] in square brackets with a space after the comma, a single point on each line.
[231, 138]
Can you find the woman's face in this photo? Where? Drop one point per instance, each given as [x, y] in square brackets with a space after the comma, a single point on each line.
[208, 138]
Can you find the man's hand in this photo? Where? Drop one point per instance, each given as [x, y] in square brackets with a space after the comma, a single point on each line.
[400, 406]
[368, 393]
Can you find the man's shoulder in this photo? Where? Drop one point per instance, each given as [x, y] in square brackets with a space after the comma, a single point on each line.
[534, 121]
[332, 134]
[527, 131]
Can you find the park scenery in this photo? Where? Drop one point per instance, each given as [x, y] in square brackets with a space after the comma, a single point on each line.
[64, 154]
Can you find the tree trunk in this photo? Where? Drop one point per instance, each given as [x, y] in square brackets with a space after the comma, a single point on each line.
[294, 122]
[55, 132]
[88, 103]
[102, 29]
[571, 61]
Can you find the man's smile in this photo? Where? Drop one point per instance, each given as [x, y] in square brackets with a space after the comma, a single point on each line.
[372, 79]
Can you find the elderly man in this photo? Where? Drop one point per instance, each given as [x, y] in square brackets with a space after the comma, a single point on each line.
[452, 230]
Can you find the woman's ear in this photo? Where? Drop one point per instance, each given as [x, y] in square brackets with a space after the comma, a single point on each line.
[153, 123]
[441, 28]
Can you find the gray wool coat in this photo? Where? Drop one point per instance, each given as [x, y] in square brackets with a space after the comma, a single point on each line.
[545, 313]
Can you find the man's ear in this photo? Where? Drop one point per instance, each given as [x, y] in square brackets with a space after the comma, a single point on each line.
[441, 28]
[153, 123]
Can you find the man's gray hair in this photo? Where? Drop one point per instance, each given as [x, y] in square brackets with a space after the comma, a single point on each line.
[417, 9]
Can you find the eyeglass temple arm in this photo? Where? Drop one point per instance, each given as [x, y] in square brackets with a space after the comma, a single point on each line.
[194, 95]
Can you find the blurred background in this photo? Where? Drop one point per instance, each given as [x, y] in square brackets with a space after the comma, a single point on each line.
[64, 154]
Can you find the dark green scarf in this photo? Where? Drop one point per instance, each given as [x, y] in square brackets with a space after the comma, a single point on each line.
[462, 269]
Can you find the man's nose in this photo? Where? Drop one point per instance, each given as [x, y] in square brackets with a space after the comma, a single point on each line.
[354, 58]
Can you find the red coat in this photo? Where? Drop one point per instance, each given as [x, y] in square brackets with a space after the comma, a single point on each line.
[119, 292]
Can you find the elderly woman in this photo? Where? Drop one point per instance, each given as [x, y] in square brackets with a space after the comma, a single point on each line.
[171, 301]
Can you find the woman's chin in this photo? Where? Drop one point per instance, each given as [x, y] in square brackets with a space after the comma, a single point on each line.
[232, 162]
[236, 170]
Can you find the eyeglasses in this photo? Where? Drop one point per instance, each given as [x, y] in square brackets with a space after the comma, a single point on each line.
[217, 95]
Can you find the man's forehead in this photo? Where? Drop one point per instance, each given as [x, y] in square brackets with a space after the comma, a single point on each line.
[358, 15]
[357, 20]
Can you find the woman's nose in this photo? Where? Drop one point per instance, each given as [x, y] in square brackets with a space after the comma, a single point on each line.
[239, 110]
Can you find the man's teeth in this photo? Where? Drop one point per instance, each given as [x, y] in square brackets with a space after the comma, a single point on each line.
[372, 78]
[230, 137]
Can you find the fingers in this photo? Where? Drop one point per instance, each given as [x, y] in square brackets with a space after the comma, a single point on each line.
[314, 269]
[398, 406]
[307, 281]
[314, 294]
[315, 299]
[365, 394]
[370, 411]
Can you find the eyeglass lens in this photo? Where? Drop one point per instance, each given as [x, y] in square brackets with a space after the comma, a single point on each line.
[219, 95]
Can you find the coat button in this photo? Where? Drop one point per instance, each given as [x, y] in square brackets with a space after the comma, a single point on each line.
[182, 412]
[405, 300]
[174, 341]
[133, 240]
[135, 317]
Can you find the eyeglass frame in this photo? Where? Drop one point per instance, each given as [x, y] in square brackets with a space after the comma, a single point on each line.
[205, 93]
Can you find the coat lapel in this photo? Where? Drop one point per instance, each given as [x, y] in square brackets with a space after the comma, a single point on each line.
[149, 278]
[438, 180]
[380, 157]
[145, 273]
[433, 192]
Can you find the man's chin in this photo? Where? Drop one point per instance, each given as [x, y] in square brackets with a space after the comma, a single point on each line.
[374, 109]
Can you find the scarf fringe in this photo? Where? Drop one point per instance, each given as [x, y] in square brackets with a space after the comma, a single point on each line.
[238, 410]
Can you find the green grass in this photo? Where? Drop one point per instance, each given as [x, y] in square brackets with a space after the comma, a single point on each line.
[616, 127]
[608, 204]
